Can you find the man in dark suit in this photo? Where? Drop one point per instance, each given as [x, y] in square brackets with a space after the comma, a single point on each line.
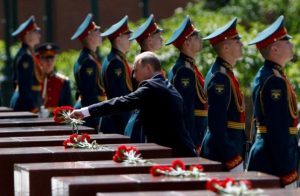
[148, 36]
[160, 104]
[275, 150]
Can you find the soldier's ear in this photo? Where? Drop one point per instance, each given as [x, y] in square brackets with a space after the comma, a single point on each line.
[225, 46]
[274, 48]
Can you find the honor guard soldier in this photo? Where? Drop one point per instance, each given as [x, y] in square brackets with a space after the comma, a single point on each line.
[188, 80]
[87, 69]
[275, 150]
[148, 36]
[116, 71]
[163, 121]
[56, 90]
[225, 139]
[27, 70]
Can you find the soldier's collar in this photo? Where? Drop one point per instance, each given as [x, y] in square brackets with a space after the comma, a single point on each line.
[187, 58]
[92, 53]
[118, 52]
[86, 49]
[224, 64]
[274, 66]
[24, 45]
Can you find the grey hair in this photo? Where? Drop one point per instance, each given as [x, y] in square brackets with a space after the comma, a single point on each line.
[149, 58]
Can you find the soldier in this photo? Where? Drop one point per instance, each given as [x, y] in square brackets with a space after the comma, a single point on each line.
[162, 121]
[116, 71]
[148, 36]
[56, 90]
[188, 80]
[87, 69]
[225, 138]
[27, 70]
[275, 150]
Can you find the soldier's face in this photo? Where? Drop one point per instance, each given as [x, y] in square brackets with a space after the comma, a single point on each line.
[34, 37]
[195, 42]
[236, 47]
[155, 41]
[124, 43]
[47, 64]
[284, 48]
[96, 38]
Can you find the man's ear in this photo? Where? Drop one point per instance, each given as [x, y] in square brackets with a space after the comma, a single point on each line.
[274, 48]
[149, 67]
[225, 46]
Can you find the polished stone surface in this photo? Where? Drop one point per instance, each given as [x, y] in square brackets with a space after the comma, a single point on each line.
[267, 192]
[90, 185]
[34, 178]
[21, 122]
[7, 115]
[31, 141]
[41, 131]
[5, 109]
[10, 156]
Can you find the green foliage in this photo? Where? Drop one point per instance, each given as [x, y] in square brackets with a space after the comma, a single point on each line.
[253, 16]
[64, 64]
[2, 55]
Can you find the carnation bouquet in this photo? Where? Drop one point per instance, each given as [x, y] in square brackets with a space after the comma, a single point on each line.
[177, 169]
[231, 187]
[62, 115]
[81, 141]
[128, 155]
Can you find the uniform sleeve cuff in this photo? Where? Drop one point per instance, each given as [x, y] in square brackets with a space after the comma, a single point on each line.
[85, 112]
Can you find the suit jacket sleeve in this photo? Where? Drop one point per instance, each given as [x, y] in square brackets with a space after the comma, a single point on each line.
[128, 102]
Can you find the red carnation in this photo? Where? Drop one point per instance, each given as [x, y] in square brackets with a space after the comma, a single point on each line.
[178, 163]
[154, 170]
[86, 137]
[74, 138]
[122, 149]
[58, 113]
[117, 158]
[226, 181]
[199, 167]
[132, 148]
[66, 142]
[210, 184]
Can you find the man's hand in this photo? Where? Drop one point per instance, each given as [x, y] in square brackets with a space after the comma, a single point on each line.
[77, 114]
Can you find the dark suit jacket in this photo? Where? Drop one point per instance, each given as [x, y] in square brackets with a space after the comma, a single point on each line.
[161, 110]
